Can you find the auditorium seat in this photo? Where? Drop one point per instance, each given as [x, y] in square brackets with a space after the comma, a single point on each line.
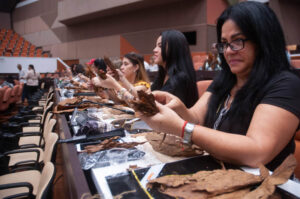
[13, 94]
[295, 63]
[12, 44]
[4, 103]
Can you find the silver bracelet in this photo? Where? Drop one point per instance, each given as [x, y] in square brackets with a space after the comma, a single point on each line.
[120, 93]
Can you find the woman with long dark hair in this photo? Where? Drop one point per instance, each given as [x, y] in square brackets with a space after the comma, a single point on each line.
[250, 113]
[176, 72]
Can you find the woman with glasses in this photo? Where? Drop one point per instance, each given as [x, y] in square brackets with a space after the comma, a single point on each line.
[133, 77]
[250, 113]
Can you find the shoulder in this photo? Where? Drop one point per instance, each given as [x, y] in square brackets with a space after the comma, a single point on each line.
[284, 81]
[142, 83]
[181, 78]
[283, 90]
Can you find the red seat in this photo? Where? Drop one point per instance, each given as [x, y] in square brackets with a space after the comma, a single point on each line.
[14, 94]
[4, 102]
[20, 90]
[295, 63]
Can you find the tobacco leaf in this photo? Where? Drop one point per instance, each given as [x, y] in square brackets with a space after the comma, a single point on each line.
[223, 181]
[112, 67]
[102, 74]
[90, 72]
[280, 175]
[185, 192]
[110, 143]
[170, 181]
[172, 145]
[145, 103]
[233, 195]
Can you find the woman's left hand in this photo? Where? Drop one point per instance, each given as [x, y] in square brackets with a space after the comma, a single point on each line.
[166, 120]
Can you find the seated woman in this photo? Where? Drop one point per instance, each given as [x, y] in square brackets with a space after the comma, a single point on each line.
[250, 113]
[176, 72]
[133, 77]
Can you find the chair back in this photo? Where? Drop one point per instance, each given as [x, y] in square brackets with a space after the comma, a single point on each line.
[50, 141]
[13, 94]
[49, 99]
[49, 107]
[43, 85]
[17, 93]
[46, 180]
[49, 127]
[202, 86]
[48, 117]
[6, 99]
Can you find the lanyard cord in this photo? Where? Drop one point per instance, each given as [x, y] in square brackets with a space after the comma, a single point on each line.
[223, 112]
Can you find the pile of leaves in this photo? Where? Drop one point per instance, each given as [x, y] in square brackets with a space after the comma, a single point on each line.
[225, 184]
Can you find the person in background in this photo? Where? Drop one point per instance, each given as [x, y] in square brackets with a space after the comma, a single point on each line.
[153, 67]
[3, 83]
[99, 64]
[147, 66]
[32, 80]
[133, 77]
[22, 74]
[22, 79]
[176, 73]
[251, 111]
[72, 67]
[117, 62]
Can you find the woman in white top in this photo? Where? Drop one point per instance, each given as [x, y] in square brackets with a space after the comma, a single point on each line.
[32, 79]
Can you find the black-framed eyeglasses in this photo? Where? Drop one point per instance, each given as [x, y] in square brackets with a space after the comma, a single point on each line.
[235, 45]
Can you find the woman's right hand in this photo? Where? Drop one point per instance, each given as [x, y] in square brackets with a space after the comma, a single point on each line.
[166, 120]
[170, 101]
[121, 75]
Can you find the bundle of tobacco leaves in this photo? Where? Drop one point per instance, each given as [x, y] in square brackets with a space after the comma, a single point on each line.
[89, 71]
[68, 105]
[172, 145]
[110, 143]
[145, 103]
[112, 67]
[225, 184]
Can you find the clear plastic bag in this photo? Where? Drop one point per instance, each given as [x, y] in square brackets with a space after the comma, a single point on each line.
[103, 159]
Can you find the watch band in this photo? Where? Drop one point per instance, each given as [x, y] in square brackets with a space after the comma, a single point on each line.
[188, 131]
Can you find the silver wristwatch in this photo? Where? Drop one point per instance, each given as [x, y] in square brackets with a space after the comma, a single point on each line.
[188, 131]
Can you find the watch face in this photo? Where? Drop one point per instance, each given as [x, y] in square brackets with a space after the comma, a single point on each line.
[188, 130]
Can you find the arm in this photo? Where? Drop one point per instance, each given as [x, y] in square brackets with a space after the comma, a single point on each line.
[83, 77]
[130, 87]
[265, 138]
[262, 142]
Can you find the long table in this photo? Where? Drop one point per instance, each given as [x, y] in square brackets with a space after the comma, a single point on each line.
[75, 179]
[78, 185]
